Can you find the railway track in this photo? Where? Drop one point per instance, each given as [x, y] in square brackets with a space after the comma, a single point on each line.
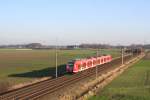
[40, 89]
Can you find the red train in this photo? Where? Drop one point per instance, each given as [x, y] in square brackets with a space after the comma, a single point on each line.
[78, 65]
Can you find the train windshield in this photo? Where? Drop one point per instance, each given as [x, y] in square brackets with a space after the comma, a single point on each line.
[71, 63]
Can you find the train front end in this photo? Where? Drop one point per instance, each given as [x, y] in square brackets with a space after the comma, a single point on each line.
[70, 66]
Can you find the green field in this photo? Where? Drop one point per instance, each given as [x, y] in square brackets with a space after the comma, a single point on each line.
[18, 66]
[133, 84]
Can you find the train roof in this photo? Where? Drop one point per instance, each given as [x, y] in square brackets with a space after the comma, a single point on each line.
[79, 59]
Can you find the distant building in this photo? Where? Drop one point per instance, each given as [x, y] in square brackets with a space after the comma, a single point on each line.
[72, 47]
[34, 45]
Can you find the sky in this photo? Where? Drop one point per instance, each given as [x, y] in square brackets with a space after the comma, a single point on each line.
[64, 22]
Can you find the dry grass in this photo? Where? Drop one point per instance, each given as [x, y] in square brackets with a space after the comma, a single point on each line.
[4, 86]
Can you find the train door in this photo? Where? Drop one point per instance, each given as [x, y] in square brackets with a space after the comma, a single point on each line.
[102, 60]
[83, 65]
[89, 63]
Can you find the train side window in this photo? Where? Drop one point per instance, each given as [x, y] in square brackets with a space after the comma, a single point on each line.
[94, 62]
[102, 60]
[84, 65]
[89, 64]
[71, 64]
[99, 61]
[108, 58]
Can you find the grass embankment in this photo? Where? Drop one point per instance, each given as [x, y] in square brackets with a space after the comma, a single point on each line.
[133, 84]
[18, 66]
